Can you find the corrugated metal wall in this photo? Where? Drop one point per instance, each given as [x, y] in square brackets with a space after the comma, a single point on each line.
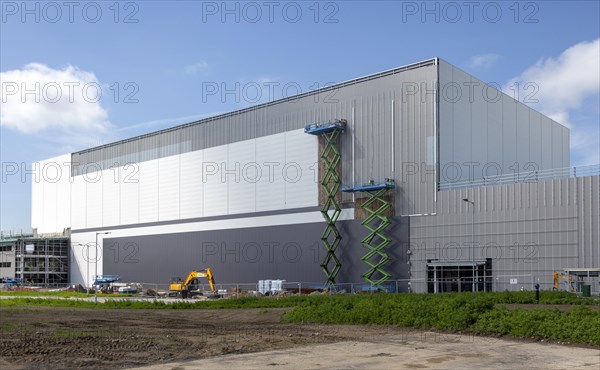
[483, 130]
[527, 229]
[372, 106]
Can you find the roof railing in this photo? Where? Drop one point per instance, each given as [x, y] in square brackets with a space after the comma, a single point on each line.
[524, 177]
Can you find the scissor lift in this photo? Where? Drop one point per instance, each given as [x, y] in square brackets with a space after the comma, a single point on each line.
[331, 183]
[376, 223]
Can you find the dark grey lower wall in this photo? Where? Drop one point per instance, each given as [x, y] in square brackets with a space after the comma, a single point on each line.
[290, 252]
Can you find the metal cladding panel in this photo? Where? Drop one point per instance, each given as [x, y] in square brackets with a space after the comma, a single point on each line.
[37, 202]
[463, 125]
[168, 188]
[536, 229]
[410, 118]
[196, 135]
[495, 139]
[240, 255]
[535, 138]
[241, 182]
[149, 191]
[511, 133]
[300, 170]
[479, 130]
[111, 202]
[446, 112]
[523, 140]
[509, 116]
[78, 203]
[546, 142]
[215, 193]
[557, 145]
[130, 194]
[94, 200]
[49, 195]
[270, 194]
[191, 184]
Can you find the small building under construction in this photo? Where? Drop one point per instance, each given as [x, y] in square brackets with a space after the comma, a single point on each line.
[35, 260]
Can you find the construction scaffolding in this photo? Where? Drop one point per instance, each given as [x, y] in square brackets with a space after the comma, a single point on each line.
[42, 261]
[331, 182]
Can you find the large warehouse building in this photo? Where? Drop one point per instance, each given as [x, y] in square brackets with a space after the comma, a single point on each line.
[477, 183]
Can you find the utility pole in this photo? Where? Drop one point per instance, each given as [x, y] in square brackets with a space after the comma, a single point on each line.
[96, 266]
[472, 239]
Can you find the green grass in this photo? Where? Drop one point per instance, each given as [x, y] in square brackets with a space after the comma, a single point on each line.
[476, 313]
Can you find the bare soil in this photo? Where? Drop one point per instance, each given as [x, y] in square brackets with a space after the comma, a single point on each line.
[58, 337]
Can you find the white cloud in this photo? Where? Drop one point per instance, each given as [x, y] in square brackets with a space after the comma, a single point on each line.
[483, 61]
[195, 68]
[565, 82]
[37, 98]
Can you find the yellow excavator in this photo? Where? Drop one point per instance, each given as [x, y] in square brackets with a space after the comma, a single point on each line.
[189, 287]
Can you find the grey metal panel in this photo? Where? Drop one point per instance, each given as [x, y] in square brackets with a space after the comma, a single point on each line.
[534, 230]
[446, 111]
[566, 160]
[289, 252]
[535, 138]
[522, 140]
[479, 128]
[495, 139]
[463, 126]
[503, 137]
[557, 146]
[509, 117]
[546, 142]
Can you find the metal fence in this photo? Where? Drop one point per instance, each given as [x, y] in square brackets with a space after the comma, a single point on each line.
[495, 283]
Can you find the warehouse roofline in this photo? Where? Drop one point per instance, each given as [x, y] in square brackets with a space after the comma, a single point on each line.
[427, 62]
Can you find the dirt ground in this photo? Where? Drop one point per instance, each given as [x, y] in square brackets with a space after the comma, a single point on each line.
[57, 338]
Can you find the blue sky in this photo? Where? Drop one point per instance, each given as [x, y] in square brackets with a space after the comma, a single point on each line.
[160, 56]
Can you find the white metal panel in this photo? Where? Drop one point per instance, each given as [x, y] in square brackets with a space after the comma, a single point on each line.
[78, 203]
[215, 187]
[300, 171]
[168, 188]
[130, 194]
[63, 193]
[111, 197]
[149, 191]
[93, 183]
[37, 200]
[191, 184]
[51, 195]
[241, 176]
[49, 187]
[270, 189]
